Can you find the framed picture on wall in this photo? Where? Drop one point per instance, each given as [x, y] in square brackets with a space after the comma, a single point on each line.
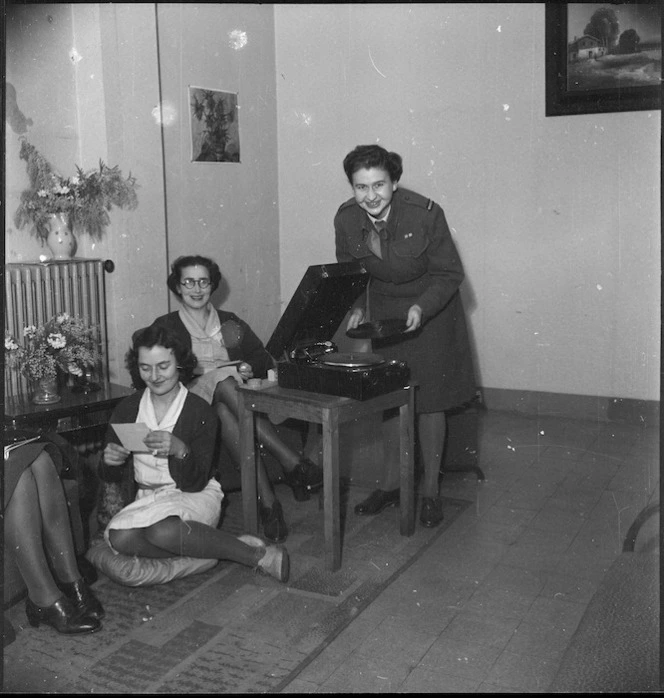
[603, 57]
[215, 133]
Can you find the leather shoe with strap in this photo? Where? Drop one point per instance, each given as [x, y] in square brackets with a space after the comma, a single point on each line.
[377, 501]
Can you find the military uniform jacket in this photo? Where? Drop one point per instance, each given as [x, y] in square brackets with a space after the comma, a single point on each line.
[420, 265]
[420, 260]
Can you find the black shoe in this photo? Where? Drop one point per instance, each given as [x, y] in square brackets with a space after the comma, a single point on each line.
[431, 513]
[84, 600]
[274, 526]
[87, 570]
[61, 615]
[376, 502]
[305, 478]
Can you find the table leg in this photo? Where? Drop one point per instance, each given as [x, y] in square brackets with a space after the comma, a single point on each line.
[407, 464]
[248, 466]
[330, 420]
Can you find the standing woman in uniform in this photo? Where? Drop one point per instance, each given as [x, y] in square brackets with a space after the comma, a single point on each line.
[404, 242]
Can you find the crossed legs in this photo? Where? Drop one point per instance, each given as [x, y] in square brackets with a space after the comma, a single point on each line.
[172, 536]
[226, 403]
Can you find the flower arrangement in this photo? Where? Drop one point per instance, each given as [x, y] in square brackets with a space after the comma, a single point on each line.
[85, 199]
[64, 344]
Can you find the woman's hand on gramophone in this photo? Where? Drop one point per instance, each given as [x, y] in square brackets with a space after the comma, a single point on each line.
[356, 318]
[414, 319]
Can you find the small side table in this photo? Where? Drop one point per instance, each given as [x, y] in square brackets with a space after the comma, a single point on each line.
[330, 411]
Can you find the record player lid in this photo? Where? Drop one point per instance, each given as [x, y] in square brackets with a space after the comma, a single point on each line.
[325, 294]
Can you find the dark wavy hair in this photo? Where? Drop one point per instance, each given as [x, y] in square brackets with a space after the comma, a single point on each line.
[193, 260]
[158, 336]
[364, 157]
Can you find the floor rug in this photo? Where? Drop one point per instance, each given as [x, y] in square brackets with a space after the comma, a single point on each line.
[615, 648]
[228, 630]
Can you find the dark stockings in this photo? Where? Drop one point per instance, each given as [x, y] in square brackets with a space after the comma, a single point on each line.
[431, 428]
[36, 526]
[172, 536]
[226, 403]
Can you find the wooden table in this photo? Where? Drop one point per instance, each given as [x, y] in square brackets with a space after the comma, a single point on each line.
[330, 411]
[75, 415]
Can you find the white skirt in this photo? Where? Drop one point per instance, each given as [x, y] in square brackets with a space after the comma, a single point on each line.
[152, 506]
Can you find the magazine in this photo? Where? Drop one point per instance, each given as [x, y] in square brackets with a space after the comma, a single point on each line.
[11, 447]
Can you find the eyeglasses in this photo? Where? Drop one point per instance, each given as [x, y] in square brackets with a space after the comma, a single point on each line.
[190, 283]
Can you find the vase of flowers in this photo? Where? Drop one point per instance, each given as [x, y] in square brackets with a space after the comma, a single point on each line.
[83, 201]
[60, 238]
[62, 346]
[47, 391]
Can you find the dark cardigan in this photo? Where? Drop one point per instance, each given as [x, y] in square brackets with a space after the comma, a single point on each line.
[197, 426]
[249, 349]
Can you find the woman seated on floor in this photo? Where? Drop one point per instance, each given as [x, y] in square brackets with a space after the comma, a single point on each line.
[220, 340]
[38, 532]
[178, 501]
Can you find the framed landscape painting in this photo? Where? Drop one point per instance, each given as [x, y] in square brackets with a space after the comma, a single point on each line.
[603, 57]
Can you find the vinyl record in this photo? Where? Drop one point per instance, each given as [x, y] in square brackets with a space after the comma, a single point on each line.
[353, 359]
[378, 329]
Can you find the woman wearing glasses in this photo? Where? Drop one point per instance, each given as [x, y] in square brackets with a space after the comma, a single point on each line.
[219, 340]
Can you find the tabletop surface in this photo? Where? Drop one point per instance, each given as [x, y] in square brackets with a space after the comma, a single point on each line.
[71, 402]
[274, 396]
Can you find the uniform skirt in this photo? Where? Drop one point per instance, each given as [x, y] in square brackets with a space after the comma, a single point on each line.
[438, 354]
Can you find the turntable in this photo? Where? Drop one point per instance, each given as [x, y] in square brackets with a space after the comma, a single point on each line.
[301, 343]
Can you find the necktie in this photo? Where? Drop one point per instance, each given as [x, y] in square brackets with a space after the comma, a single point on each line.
[374, 238]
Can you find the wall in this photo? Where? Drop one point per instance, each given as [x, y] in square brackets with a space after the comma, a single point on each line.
[105, 104]
[557, 219]
[563, 267]
[94, 106]
[225, 210]
[39, 40]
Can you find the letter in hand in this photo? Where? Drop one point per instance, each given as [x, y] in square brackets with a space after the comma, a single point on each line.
[163, 443]
[115, 454]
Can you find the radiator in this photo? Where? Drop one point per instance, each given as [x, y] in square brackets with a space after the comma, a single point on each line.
[35, 292]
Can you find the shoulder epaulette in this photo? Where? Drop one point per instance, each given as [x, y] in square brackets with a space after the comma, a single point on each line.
[346, 204]
[411, 197]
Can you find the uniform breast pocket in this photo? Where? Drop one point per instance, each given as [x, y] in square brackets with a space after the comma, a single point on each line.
[411, 245]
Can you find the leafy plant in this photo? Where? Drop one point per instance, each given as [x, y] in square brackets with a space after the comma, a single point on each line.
[64, 344]
[85, 199]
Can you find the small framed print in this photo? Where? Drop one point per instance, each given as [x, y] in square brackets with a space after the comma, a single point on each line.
[215, 133]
